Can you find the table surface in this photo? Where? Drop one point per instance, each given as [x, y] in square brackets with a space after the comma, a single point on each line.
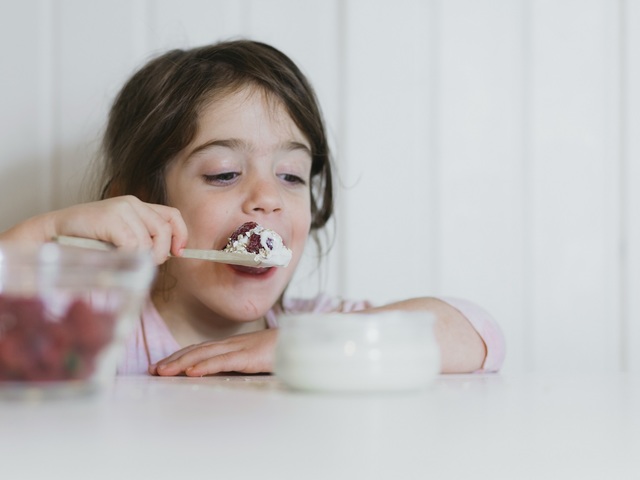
[237, 427]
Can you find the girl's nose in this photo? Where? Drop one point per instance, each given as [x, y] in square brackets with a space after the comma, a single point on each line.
[263, 196]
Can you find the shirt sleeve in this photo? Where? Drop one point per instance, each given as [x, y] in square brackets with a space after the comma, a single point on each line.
[321, 303]
[487, 328]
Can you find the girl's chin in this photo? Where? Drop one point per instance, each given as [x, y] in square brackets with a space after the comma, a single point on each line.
[248, 311]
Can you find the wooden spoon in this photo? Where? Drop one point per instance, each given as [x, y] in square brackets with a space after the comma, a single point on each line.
[275, 259]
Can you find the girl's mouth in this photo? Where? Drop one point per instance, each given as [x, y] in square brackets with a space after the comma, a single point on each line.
[251, 270]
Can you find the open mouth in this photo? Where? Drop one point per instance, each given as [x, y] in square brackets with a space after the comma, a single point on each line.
[251, 270]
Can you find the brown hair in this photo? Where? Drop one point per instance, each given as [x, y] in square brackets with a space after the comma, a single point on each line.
[155, 116]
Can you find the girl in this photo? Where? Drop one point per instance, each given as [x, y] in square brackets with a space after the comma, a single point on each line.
[199, 142]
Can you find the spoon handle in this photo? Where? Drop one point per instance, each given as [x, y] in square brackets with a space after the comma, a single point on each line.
[244, 259]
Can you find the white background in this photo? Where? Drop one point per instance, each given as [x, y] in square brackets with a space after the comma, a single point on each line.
[487, 149]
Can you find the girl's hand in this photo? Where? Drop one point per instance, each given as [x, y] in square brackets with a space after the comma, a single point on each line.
[245, 353]
[125, 221]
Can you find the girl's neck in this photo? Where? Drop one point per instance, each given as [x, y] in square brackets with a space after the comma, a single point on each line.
[194, 324]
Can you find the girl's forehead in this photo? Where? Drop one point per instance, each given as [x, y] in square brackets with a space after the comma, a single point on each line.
[248, 111]
[239, 98]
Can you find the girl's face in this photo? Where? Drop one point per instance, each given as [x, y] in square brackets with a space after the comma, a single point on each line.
[248, 162]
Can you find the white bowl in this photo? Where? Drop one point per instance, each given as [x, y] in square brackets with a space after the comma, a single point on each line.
[386, 351]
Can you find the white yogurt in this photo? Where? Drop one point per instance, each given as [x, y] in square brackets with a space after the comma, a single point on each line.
[387, 351]
[271, 245]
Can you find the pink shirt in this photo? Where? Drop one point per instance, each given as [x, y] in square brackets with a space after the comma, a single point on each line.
[152, 341]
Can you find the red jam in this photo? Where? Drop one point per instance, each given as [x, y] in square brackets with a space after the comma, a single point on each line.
[38, 345]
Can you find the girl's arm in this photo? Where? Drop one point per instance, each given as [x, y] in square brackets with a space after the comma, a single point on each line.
[124, 221]
[462, 348]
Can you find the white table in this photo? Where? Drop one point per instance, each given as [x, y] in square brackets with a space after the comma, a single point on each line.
[237, 427]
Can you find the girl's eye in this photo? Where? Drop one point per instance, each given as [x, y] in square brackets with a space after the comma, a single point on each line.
[221, 178]
[293, 179]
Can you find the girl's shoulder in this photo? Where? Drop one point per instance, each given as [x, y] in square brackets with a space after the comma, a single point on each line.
[321, 303]
[324, 303]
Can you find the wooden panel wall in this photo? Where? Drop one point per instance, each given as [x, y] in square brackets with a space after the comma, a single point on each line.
[630, 185]
[487, 149]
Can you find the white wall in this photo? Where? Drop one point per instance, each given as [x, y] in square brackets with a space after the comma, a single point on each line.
[490, 147]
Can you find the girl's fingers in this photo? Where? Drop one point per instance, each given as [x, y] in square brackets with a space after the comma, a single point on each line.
[176, 355]
[247, 353]
[236, 361]
[163, 228]
[207, 363]
[129, 223]
[183, 359]
[178, 228]
[166, 229]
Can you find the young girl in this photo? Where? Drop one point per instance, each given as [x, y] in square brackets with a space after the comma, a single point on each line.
[199, 142]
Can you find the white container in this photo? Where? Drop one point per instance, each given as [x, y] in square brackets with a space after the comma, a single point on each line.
[373, 352]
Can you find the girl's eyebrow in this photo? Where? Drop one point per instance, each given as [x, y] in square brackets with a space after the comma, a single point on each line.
[291, 146]
[239, 144]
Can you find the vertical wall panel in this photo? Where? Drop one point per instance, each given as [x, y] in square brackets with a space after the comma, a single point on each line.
[385, 164]
[612, 167]
[192, 23]
[307, 40]
[481, 176]
[631, 149]
[572, 281]
[94, 54]
[25, 103]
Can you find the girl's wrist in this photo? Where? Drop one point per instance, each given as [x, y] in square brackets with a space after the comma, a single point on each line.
[38, 229]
